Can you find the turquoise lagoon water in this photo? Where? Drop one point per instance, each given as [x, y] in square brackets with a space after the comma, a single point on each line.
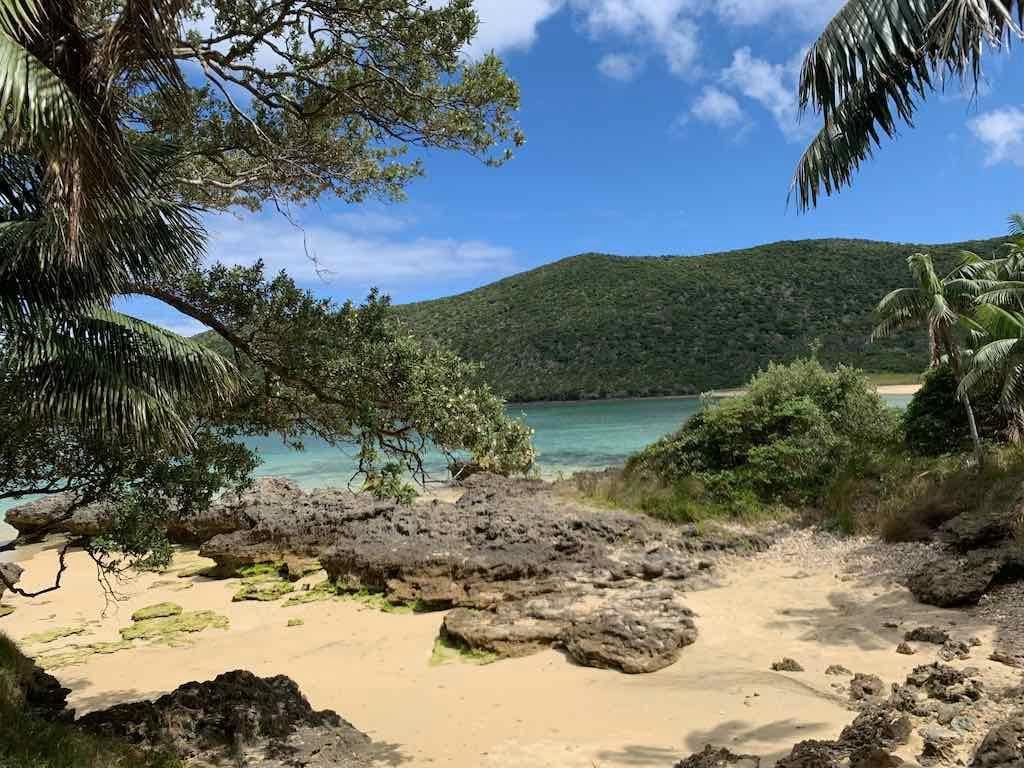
[568, 436]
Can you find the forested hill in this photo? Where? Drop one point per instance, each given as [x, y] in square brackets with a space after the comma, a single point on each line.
[607, 326]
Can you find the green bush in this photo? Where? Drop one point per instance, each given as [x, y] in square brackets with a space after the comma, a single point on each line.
[935, 422]
[797, 429]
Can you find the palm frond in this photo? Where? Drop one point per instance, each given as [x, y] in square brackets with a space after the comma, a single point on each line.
[39, 106]
[998, 323]
[117, 375]
[899, 310]
[1004, 293]
[1016, 222]
[875, 62]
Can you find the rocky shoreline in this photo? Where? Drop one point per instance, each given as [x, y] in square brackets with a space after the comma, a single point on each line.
[513, 568]
[516, 567]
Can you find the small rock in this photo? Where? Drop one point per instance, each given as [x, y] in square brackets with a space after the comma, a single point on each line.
[712, 757]
[838, 670]
[874, 757]
[1005, 658]
[933, 635]
[906, 649]
[962, 723]
[939, 745]
[787, 665]
[891, 624]
[866, 687]
[954, 649]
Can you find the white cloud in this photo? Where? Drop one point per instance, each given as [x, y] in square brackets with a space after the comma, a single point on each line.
[623, 67]
[1002, 133]
[718, 108]
[508, 25]
[773, 86]
[335, 251]
[668, 25]
[809, 14]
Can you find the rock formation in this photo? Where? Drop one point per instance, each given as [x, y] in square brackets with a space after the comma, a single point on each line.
[238, 719]
[519, 568]
[11, 574]
[981, 548]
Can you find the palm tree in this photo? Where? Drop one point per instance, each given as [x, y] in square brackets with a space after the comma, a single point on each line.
[938, 304]
[873, 65]
[85, 214]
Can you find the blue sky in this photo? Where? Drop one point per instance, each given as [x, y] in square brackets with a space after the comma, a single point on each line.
[653, 127]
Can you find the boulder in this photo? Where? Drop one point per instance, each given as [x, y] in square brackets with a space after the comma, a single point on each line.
[36, 518]
[979, 530]
[866, 687]
[238, 718]
[950, 581]
[519, 568]
[940, 745]
[11, 575]
[1003, 747]
[933, 635]
[877, 726]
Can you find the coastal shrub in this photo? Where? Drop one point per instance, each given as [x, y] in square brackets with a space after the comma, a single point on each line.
[784, 441]
[919, 495]
[935, 422]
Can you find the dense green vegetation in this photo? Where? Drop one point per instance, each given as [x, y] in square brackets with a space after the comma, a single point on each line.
[796, 429]
[110, 156]
[936, 424]
[820, 445]
[603, 326]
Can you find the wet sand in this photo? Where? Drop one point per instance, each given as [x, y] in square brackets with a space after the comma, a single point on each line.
[375, 668]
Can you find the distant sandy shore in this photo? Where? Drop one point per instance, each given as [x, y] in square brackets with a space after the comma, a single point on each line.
[535, 712]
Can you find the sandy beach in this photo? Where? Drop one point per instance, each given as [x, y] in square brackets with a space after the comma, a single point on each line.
[800, 600]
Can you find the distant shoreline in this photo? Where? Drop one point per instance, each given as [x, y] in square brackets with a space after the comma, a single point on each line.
[892, 390]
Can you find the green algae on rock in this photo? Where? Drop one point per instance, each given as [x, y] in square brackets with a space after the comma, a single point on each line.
[446, 651]
[325, 590]
[52, 635]
[169, 629]
[79, 654]
[263, 591]
[158, 611]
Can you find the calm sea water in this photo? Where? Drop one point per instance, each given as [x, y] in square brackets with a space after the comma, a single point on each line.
[568, 437]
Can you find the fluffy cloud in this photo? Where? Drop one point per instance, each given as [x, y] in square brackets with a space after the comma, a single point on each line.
[718, 108]
[1002, 133]
[623, 67]
[809, 14]
[667, 25]
[505, 25]
[773, 86]
[351, 251]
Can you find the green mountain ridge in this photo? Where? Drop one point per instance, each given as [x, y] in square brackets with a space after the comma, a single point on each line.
[598, 325]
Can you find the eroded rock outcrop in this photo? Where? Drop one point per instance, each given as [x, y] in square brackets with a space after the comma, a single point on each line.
[520, 568]
[982, 548]
[1003, 747]
[54, 514]
[11, 575]
[238, 719]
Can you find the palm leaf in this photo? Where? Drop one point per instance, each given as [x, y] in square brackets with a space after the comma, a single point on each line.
[874, 63]
[115, 374]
